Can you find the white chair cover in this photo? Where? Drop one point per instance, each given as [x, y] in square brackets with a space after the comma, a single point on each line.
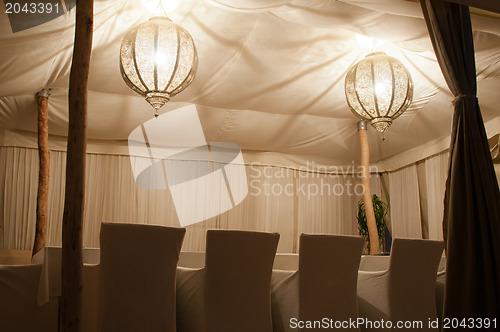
[328, 276]
[191, 299]
[406, 290]
[138, 264]
[374, 263]
[412, 277]
[284, 299]
[324, 286]
[238, 280]
[192, 259]
[19, 309]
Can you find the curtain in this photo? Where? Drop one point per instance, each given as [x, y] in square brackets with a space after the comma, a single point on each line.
[436, 169]
[282, 200]
[404, 199]
[268, 206]
[18, 188]
[328, 203]
[472, 199]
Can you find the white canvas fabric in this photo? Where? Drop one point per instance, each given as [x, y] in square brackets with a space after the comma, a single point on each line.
[405, 203]
[279, 96]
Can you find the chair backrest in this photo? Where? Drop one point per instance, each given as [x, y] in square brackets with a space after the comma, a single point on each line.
[412, 278]
[328, 275]
[287, 262]
[374, 263]
[138, 264]
[238, 280]
[19, 309]
[192, 259]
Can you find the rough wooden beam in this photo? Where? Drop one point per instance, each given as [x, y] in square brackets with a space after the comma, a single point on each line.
[72, 261]
[367, 196]
[43, 172]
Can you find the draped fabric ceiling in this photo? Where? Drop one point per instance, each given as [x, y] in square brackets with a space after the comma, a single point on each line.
[270, 78]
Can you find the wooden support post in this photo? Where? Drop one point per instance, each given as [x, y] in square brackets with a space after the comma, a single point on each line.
[367, 196]
[43, 172]
[72, 261]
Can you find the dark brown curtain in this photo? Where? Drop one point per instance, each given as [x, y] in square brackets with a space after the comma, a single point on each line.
[472, 201]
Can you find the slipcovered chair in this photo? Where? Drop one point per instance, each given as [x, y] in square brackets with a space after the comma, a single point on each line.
[19, 308]
[191, 299]
[374, 263]
[192, 259]
[324, 286]
[406, 290]
[49, 288]
[238, 280]
[328, 275]
[191, 292]
[138, 266]
[287, 262]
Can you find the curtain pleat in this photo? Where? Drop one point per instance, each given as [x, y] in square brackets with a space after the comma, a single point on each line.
[436, 172]
[18, 198]
[405, 203]
[328, 203]
[472, 198]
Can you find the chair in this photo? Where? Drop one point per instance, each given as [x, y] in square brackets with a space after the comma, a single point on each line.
[287, 262]
[328, 270]
[190, 308]
[324, 286]
[138, 266]
[374, 263]
[406, 290]
[19, 309]
[238, 280]
[192, 259]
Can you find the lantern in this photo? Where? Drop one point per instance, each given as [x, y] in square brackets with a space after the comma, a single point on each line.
[158, 60]
[378, 89]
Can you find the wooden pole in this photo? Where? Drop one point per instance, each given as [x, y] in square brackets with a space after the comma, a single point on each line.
[367, 196]
[72, 261]
[43, 172]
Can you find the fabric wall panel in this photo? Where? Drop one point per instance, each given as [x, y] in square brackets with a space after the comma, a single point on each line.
[405, 203]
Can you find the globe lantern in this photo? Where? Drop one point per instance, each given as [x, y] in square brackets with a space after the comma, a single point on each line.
[158, 60]
[378, 89]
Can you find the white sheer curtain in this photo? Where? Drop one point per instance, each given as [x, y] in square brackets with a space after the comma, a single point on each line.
[436, 172]
[18, 188]
[279, 199]
[328, 202]
[112, 195]
[268, 206]
[405, 203]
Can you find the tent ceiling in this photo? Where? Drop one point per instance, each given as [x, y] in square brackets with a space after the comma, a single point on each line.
[270, 75]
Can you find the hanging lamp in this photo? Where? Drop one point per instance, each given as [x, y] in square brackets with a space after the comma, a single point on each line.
[158, 60]
[378, 89]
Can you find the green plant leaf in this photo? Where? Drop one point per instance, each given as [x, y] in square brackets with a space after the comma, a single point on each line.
[380, 208]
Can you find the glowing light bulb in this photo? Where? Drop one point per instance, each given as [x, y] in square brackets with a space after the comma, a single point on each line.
[380, 89]
[160, 58]
[368, 42]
